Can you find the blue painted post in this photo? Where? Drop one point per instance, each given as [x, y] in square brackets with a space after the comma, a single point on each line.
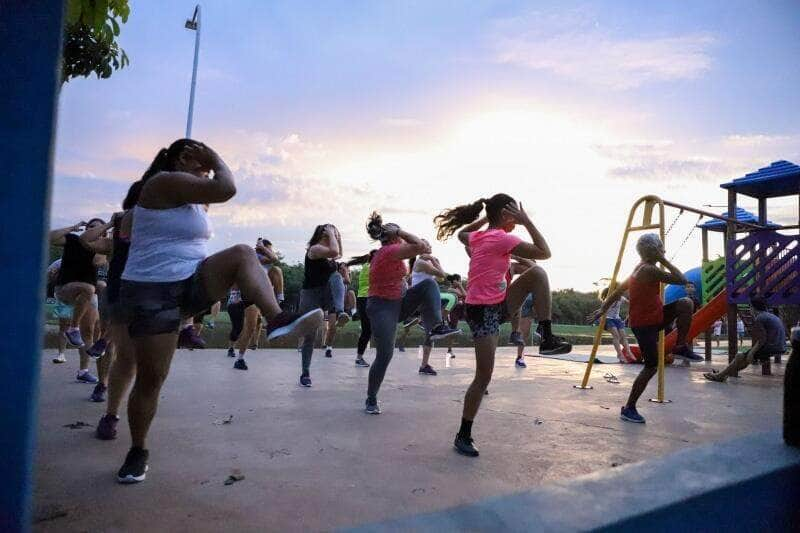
[30, 40]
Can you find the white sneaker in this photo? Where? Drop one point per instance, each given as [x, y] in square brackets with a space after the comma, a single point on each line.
[60, 358]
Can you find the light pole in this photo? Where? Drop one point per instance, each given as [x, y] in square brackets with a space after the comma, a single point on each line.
[193, 24]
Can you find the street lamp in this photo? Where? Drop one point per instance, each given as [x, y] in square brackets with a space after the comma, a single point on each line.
[193, 24]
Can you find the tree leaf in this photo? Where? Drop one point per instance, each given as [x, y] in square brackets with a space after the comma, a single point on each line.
[73, 11]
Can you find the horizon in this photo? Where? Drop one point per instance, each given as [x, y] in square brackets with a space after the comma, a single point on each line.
[574, 109]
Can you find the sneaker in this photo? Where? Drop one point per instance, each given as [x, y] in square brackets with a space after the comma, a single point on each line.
[342, 319]
[427, 369]
[73, 336]
[521, 363]
[293, 324]
[99, 393]
[465, 446]
[713, 376]
[97, 349]
[231, 353]
[305, 380]
[107, 427]
[135, 466]
[401, 348]
[452, 355]
[60, 358]
[516, 339]
[240, 364]
[442, 332]
[328, 352]
[360, 362]
[188, 338]
[556, 345]
[630, 414]
[372, 408]
[86, 377]
[686, 353]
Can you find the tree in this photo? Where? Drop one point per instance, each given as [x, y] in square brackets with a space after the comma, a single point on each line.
[90, 33]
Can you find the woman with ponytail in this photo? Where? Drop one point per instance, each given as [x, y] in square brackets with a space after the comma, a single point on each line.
[491, 300]
[169, 276]
[391, 300]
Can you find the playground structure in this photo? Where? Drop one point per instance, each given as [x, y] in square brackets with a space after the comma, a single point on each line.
[762, 262]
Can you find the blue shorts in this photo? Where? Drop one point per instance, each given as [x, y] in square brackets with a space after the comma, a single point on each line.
[617, 323]
[526, 311]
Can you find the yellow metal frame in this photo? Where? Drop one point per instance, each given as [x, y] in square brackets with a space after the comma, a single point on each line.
[651, 204]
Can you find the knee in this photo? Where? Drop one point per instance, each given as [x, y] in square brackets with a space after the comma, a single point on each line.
[276, 272]
[242, 252]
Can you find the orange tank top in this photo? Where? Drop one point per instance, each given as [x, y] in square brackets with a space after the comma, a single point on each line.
[646, 306]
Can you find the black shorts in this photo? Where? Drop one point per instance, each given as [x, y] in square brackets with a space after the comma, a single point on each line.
[485, 320]
[154, 308]
[647, 336]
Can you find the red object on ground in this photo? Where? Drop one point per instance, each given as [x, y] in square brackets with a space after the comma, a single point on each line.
[702, 320]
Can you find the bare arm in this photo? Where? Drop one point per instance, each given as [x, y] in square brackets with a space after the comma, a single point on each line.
[58, 236]
[537, 248]
[265, 255]
[173, 189]
[463, 233]
[610, 300]
[672, 275]
[429, 267]
[329, 251]
[412, 247]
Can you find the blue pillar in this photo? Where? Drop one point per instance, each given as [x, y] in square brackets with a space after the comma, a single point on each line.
[30, 40]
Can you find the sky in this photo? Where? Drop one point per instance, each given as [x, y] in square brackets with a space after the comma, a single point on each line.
[326, 111]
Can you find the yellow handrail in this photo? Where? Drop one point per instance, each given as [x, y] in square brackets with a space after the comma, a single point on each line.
[650, 202]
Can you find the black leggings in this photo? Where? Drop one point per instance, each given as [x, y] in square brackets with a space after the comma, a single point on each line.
[366, 327]
[236, 312]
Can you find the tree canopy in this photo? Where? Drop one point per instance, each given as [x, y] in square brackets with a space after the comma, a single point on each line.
[90, 38]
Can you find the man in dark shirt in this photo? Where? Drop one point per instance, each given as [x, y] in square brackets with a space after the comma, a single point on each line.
[769, 338]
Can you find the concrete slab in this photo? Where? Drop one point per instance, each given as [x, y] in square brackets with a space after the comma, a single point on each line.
[313, 460]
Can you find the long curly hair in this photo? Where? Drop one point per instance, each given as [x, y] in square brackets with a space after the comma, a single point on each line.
[450, 220]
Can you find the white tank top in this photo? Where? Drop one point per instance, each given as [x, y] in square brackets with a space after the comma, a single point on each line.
[167, 244]
[419, 277]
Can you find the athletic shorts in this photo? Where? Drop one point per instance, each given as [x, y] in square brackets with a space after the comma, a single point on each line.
[485, 320]
[64, 311]
[526, 311]
[617, 323]
[647, 336]
[155, 308]
[316, 297]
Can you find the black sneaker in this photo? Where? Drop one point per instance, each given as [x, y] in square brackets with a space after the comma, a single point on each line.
[294, 325]
[427, 369]
[686, 353]
[231, 352]
[465, 446]
[135, 466]
[328, 352]
[99, 393]
[240, 364]
[442, 332]
[554, 345]
[372, 408]
[360, 362]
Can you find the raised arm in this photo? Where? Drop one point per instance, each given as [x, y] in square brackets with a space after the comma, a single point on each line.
[610, 300]
[672, 275]
[173, 189]
[429, 266]
[266, 255]
[537, 248]
[58, 236]
[331, 250]
[463, 233]
[412, 247]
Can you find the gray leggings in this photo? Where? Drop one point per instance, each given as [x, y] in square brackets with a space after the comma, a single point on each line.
[330, 299]
[385, 314]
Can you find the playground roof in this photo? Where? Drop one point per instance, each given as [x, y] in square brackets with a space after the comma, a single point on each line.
[781, 178]
[742, 215]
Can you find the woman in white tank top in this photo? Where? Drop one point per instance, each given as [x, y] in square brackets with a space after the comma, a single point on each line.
[169, 276]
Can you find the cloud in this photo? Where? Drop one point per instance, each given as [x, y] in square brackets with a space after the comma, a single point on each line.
[397, 122]
[572, 47]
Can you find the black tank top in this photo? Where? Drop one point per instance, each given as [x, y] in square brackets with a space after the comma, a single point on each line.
[317, 272]
[77, 262]
[119, 256]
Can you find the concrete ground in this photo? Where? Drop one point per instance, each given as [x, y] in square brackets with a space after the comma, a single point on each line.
[313, 460]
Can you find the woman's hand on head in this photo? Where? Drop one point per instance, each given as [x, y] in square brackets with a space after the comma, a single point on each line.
[517, 213]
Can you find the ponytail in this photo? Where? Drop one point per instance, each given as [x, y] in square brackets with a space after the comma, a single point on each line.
[448, 221]
[361, 259]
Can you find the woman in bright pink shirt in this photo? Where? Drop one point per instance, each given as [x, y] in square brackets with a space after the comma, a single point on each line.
[491, 300]
[391, 300]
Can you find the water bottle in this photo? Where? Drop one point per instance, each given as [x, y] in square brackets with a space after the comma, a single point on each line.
[791, 393]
